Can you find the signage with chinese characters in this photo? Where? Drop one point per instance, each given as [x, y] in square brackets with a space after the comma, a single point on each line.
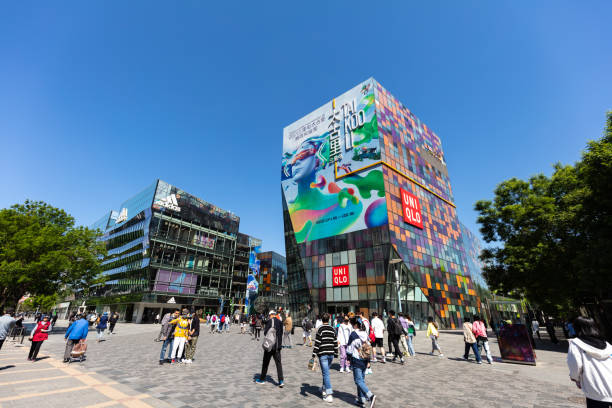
[340, 275]
[169, 202]
[411, 208]
[324, 153]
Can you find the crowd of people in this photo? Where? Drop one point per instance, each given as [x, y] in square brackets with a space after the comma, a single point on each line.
[353, 338]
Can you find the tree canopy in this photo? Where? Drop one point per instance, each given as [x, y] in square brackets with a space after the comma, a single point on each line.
[552, 236]
[43, 253]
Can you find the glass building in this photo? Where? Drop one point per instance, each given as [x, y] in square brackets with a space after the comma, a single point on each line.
[166, 249]
[370, 223]
[273, 290]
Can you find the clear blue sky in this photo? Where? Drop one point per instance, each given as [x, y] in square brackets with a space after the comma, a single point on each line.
[98, 99]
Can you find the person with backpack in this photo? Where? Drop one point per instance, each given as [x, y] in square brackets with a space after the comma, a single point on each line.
[433, 334]
[395, 331]
[360, 352]
[306, 328]
[213, 323]
[410, 333]
[368, 329]
[378, 329]
[325, 349]
[272, 345]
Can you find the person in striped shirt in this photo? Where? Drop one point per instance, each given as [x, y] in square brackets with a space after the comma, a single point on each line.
[325, 349]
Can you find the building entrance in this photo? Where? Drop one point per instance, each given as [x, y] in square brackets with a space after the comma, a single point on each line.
[342, 308]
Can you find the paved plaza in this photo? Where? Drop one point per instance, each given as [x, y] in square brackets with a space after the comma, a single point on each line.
[124, 371]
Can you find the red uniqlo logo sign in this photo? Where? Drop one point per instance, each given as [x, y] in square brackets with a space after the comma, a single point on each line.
[340, 275]
[411, 209]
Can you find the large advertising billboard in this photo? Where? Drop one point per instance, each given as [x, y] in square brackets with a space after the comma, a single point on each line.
[330, 175]
[176, 282]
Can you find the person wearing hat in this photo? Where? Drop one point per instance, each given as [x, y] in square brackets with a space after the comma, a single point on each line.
[38, 335]
[102, 321]
[273, 322]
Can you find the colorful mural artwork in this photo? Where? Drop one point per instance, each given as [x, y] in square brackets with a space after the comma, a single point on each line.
[323, 176]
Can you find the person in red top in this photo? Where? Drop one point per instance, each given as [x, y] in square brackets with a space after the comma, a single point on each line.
[38, 335]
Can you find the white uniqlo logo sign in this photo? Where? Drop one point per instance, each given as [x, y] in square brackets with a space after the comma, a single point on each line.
[169, 202]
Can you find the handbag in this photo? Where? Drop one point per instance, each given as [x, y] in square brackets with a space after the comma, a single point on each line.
[312, 364]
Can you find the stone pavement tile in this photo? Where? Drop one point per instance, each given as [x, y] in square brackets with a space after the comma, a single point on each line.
[225, 367]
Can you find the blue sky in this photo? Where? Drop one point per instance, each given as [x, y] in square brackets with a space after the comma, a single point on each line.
[98, 99]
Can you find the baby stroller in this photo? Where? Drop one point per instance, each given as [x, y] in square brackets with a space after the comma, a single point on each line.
[78, 351]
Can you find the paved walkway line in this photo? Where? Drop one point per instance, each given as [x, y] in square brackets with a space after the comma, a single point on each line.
[42, 394]
[116, 397]
[34, 380]
[29, 371]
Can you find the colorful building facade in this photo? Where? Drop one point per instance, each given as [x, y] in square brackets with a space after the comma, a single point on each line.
[370, 222]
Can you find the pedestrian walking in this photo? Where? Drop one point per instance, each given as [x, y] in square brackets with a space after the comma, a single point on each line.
[258, 326]
[157, 318]
[480, 331]
[181, 332]
[550, 329]
[379, 333]
[535, 327]
[7, 322]
[194, 332]
[344, 332]
[273, 344]
[39, 334]
[306, 332]
[101, 326]
[325, 349]
[433, 334]
[167, 336]
[395, 331]
[112, 321]
[243, 323]
[76, 332]
[53, 319]
[589, 359]
[407, 337]
[470, 341]
[318, 323]
[360, 352]
[287, 327]
[214, 319]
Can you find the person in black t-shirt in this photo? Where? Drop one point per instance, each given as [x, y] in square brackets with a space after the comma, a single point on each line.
[194, 332]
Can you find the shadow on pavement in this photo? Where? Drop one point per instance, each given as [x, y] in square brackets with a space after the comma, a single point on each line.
[316, 391]
[8, 366]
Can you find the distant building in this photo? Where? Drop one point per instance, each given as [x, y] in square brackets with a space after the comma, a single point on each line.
[273, 280]
[167, 249]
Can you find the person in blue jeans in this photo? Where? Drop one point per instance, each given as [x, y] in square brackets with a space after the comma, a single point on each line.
[167, 335]
[326, 348]
[357, 339]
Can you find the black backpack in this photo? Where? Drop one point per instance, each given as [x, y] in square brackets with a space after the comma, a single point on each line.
[396, 327]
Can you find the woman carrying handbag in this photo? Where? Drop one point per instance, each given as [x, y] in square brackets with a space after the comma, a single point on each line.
[38, 335]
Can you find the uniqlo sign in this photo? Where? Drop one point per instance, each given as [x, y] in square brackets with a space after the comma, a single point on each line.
[411, 209]
[340, 275]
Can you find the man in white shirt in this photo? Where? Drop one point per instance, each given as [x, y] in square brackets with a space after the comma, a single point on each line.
[379, 332]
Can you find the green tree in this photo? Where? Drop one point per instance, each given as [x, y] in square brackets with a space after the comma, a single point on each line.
[42, 253]
[552, 236]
